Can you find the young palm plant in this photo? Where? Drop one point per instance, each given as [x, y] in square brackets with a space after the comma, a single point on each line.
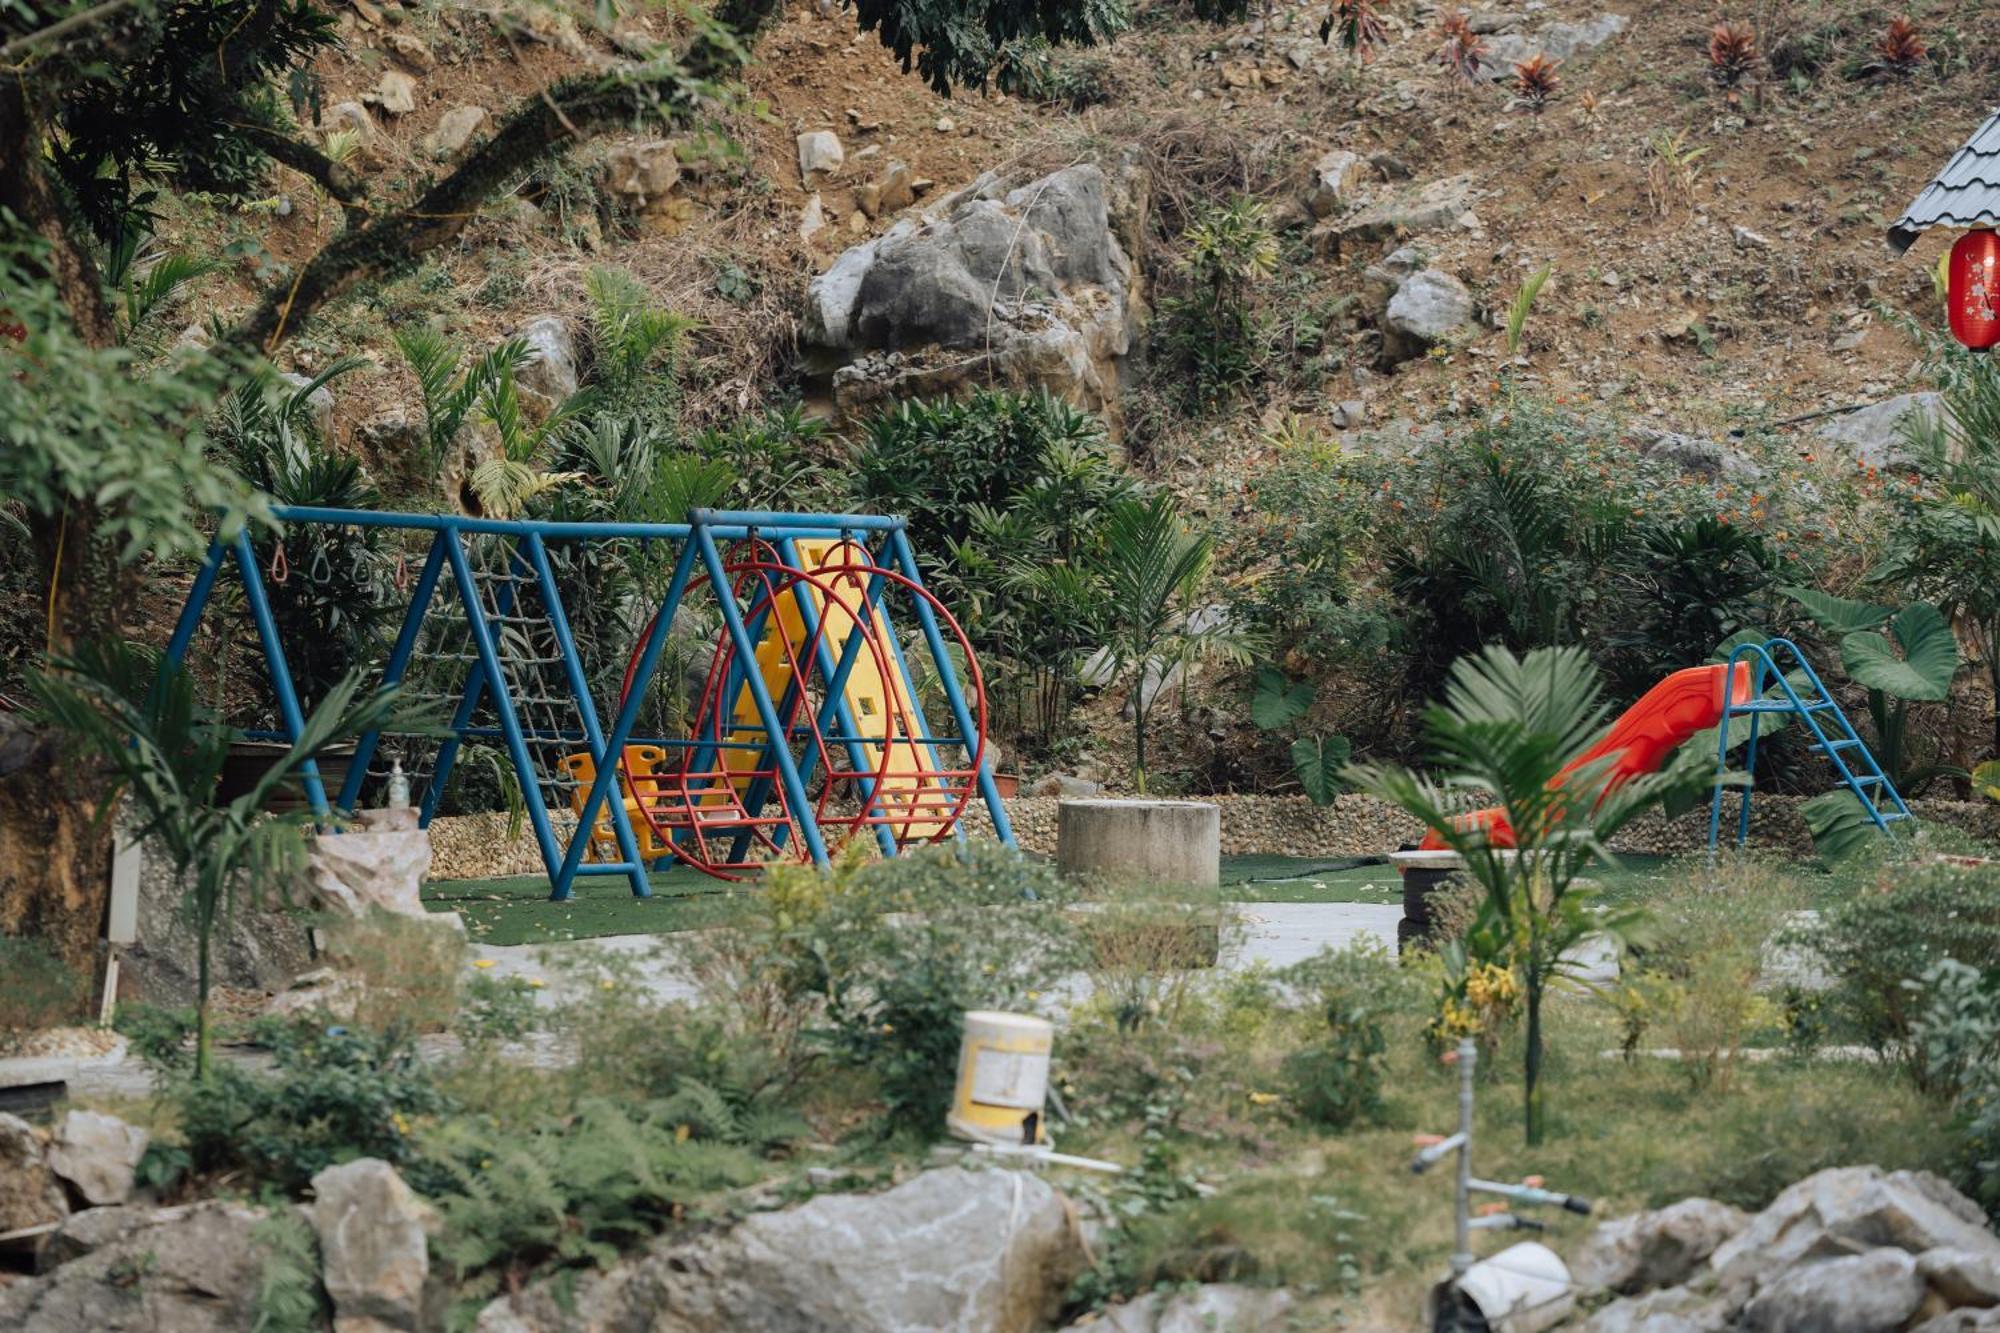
[1514, 731]
[1154, 571]
[502, 485]
[166, 752]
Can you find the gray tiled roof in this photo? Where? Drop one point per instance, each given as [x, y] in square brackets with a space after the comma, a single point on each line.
[1964, 194]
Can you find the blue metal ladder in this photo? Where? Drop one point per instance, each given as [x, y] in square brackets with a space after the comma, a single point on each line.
[1833, 735]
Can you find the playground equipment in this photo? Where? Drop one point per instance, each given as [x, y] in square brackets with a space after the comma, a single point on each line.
[1524, 1288]
[1775, 691]
[809, 725]
[1697, 699]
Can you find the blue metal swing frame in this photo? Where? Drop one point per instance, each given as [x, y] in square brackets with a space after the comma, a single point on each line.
[699, 540]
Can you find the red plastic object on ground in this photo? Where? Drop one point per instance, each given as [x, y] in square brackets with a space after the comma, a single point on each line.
[1684, 703]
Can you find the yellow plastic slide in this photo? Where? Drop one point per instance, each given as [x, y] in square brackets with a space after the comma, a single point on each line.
[871, 699]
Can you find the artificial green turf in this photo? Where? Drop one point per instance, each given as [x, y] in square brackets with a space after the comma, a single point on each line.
[517, 910]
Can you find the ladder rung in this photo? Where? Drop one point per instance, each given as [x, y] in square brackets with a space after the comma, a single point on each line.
[1868, 778]
[1848, 744]
[1779, 706]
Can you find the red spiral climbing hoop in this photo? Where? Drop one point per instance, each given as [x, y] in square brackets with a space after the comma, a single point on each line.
[719, 803]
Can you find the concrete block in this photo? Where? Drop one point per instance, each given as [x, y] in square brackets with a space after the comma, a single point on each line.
[1162, 842]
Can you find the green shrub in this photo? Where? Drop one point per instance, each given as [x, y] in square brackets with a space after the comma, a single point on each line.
[898, 951]
[1896, 929]
[1335, 1080]
[935, 463]
[1957, 1034]
[1212, 336]
[40, 990]
[331, 1095]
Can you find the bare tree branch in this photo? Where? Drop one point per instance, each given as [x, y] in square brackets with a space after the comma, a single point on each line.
[333, 177]
[540, 127]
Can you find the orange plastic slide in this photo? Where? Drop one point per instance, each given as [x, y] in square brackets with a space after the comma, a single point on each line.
[1686, 702]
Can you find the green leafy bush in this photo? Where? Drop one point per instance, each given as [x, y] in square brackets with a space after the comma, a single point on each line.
[897, 952]
[1957, 1034]
[331, 1095]
[1336, 1078]
[936, 462]
[1896, 930]
[1211, 336]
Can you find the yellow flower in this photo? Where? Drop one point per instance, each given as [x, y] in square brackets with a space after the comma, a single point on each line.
[536, 982]
[1263, 1098]
[482, 963]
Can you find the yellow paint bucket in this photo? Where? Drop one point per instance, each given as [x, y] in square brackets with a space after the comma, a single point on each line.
[1003, 1078]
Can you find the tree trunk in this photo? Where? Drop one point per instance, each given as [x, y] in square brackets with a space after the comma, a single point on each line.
[1139, 732]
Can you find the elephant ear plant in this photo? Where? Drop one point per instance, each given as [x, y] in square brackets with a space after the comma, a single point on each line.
[1511, 732]
[165, 752]
[1915, 662]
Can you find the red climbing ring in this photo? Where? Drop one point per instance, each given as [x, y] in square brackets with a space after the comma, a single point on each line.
[729, 819]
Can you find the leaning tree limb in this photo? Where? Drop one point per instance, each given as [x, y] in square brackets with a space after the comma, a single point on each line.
[540, 127]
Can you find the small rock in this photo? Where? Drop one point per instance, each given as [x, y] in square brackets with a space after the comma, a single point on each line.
[1749, 240]
[413, 51]
[356, 871]
[454, 131]
[97, 1155]
[1610, 278]
[1968, 1320]
[1426, 310]
[820, 156]
[374, 1247]
[812, 220]
[351, 116]
[1349, 414]
[1064, 784]
[945, 125]
[1428, 207]
[1862, 1293]
[320, 991]
[890, 192]
[1336, 179]
[642, 173]
[396, 93]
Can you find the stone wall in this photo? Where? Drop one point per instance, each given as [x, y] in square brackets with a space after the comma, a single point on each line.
[477, 846]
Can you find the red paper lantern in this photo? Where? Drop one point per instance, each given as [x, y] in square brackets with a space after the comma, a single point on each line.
[1974, 290]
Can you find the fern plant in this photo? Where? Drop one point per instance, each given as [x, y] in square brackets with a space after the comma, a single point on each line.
[448, 392]
[635, 344]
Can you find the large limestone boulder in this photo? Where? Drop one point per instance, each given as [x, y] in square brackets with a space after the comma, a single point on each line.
[951, 1250]
[30, 1194]
[1035, 285]
[96, 1155]
[374, 1246]
[192, 1269]
[549, 374]
[1863, 1293]
[1873, 435]
[1662, 1248]
[1851, 1208]
[354, 871]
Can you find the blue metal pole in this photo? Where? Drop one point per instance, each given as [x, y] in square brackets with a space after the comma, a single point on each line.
[906, 558]
[628, 711]
[280, 671]
[628, 846]
[399, 662]
[197, 602]
[795, 789]
[489, 660]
